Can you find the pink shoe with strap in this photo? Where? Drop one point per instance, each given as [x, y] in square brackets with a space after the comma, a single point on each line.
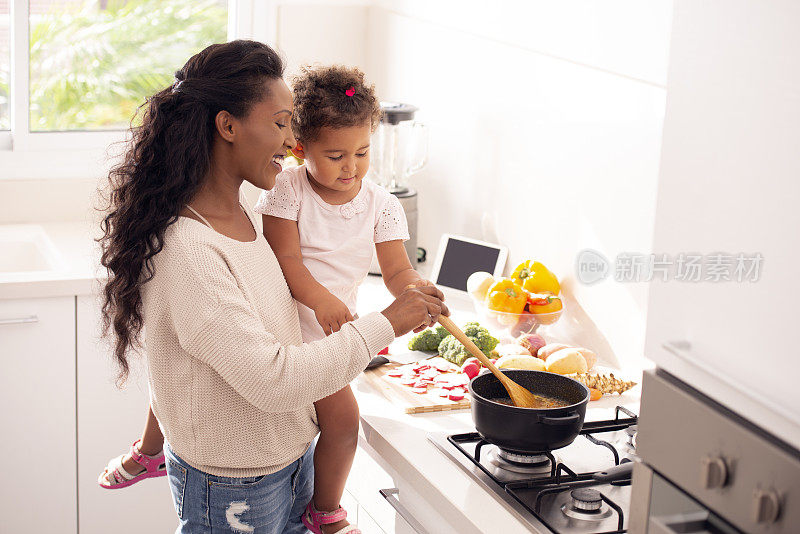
[116, 477]
[313, 519]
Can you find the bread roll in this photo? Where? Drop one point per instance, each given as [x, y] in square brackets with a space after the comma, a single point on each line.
[589, 356]
[549, 349]
[516, 361]
[566, 362]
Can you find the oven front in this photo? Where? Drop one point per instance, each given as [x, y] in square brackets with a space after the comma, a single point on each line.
[705, 469]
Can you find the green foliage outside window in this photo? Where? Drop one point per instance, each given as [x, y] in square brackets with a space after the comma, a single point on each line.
[91, 65]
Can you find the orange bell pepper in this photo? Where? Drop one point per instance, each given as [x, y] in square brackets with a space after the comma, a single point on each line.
[545, 307]
[536, 278]
[506, 296]
[543, 303]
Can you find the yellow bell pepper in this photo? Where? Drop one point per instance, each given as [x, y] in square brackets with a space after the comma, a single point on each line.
[536, 278]
[506, 296]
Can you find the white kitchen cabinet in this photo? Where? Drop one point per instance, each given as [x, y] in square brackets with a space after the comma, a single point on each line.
[728, 186]
[402, 505]
[37, 392]
[109, 420]
[365, 480]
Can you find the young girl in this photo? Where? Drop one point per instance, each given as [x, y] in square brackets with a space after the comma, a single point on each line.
[323, 220]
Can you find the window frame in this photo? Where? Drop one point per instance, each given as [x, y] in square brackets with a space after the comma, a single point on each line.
[68, 152]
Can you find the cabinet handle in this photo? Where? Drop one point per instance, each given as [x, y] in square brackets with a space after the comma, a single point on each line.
[20, 320]
[389, 495]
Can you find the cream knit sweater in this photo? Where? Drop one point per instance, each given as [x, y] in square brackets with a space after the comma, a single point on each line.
[231, 383]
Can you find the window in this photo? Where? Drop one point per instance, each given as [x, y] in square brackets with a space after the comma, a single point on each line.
[93, 62]
[74, 72]
[5, 63]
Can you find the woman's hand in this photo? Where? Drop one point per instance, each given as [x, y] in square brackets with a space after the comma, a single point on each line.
[420, 283]
[417, 307]
[331, 314]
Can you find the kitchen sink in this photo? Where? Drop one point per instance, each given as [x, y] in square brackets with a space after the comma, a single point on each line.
[26, 248]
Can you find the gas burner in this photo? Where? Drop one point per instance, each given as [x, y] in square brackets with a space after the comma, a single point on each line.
[632, 431]
[517, 463]
[586, 504]
[527, 459]
[552, 496]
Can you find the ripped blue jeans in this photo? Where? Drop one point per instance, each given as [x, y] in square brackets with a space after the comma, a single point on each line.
[268, 504]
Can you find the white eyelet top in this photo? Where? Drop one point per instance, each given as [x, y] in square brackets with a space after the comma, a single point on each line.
[337, 241]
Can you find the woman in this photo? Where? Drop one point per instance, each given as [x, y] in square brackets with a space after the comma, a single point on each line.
[231, 383]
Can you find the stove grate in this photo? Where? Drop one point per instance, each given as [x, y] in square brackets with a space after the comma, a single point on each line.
[561, 477]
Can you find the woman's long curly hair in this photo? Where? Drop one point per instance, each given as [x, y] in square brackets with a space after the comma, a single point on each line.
[166, 161]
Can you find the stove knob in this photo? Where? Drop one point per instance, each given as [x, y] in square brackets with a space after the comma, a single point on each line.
[586, 499]
[766, 506]
[713, 472]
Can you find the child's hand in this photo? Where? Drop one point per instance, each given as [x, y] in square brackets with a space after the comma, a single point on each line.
[332, 314]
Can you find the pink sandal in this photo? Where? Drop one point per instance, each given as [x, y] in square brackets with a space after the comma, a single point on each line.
[117, 477]
[313, 518]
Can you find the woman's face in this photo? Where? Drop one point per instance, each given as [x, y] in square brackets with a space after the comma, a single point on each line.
[264, 135]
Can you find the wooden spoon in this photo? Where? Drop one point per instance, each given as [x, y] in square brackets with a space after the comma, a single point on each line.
[519, 395]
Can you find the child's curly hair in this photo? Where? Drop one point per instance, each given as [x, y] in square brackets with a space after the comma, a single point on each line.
[322, 99]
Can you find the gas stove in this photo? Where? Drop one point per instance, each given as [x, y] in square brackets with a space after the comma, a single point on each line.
[584, 487]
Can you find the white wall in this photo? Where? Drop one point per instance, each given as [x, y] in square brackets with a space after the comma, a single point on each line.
[545, 122]
[545, 125]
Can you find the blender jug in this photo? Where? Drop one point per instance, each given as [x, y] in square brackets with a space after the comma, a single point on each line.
[399, 149]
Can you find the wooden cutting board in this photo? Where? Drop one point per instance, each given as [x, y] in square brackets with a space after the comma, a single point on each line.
[402, 395]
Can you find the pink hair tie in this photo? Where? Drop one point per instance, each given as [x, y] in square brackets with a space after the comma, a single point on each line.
[351, 91]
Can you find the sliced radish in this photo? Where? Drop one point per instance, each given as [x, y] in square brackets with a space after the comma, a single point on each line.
[460, 379]
[407, 381]
[471, 370]
[395, 373]
[440, 364]
[455, 396]
[419, 390]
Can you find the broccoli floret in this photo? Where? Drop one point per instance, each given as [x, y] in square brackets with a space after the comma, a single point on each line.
[485, 341]
[472, 328]
[453, 351]
[428, 339]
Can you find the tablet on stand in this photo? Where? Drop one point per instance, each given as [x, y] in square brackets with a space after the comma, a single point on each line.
[457, 258]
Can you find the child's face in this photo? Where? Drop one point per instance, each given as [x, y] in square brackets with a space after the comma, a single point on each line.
[339, 158]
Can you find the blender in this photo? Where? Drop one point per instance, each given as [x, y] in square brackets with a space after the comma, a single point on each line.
[399, 149]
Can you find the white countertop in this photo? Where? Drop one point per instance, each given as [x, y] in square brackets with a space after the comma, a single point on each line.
[396, 439]
[400, 440]
[76, 263]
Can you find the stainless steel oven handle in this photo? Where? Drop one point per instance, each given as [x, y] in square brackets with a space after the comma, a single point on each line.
[389, 495]
[20, 320]
[683, 350]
